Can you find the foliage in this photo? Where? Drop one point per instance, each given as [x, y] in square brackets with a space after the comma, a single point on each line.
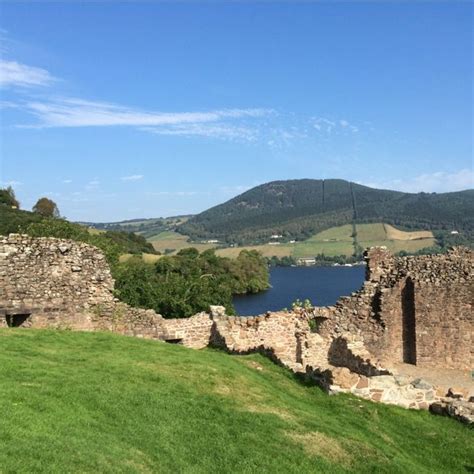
[8, 198]
[306, 304]
[298, 209]
[131, 242]
[182, 285]
[286, 261]
[63, 229]
[46, 207]
[13, 220]
[100, 402]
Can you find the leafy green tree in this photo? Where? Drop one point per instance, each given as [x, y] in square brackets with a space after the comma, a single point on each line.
[46, 208]
[7, 197]
[189, 282]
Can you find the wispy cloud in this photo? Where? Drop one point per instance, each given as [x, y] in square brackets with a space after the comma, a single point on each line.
[67, 181]
[133, 177]
[238, 124]
[16, 74]
[11, 183]
[73, 112]
[322, 124]
[439, 181]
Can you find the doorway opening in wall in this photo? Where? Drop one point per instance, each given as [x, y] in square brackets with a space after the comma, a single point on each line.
[17, 320]
[409, 322]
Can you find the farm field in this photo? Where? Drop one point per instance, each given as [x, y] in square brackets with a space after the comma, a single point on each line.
[146, 257]
[331, 242]
[101, 402]
[170, 240]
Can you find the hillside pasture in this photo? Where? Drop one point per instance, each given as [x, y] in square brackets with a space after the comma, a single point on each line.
[98, 402]
[170, 240]
[331, 242]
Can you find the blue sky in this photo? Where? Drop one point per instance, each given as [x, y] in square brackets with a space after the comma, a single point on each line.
[145, 109]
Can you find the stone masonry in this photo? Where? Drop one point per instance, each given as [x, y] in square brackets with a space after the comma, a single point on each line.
[416, 310]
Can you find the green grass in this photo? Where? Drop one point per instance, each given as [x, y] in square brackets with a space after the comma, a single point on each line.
[371, 232]
[92, 402]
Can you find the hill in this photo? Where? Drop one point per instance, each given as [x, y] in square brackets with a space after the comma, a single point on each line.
[98, 402]
[298, 209]
[145, 227]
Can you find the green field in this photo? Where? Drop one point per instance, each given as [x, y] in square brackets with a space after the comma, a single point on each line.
[97, 402]
[170, 240]
[332, 242]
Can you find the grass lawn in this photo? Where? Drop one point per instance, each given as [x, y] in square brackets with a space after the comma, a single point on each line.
[96, 402]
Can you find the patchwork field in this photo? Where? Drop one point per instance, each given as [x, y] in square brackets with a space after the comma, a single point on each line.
[331, 242]
[98, 402]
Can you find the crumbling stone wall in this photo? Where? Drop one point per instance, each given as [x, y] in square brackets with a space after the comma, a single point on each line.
[54, 282]
[414, 309]
[418, 310]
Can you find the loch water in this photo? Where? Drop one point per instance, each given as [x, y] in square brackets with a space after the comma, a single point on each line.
[321, 285]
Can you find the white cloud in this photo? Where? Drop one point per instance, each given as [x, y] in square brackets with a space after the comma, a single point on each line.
[133, 177]
[230, 124]
[72, 112]
[322, 124]
[224, 131]
[67, 181]
[13, 73]
[439, 181]
[11, 183]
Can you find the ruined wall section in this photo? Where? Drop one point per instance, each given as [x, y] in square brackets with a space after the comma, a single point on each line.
[286, 337]
[47, 278]
[413, 309]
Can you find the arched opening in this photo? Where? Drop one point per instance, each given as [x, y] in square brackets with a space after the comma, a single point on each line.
[17, 320]
[409, 322]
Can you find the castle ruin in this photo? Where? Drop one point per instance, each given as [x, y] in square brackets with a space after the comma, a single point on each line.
[411, 310]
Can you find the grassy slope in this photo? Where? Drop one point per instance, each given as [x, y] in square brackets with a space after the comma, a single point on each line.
[106, 403]
[173, 240]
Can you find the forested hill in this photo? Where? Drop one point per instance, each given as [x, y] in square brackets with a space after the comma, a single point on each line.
[300, 208]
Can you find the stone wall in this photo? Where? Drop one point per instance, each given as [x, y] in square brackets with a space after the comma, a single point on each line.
[417, 310]
[52, 282]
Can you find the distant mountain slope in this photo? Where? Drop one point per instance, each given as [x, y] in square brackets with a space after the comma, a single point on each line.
[300, 208]
[145, 227]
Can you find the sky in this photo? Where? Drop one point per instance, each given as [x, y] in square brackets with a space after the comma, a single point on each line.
[120, 110]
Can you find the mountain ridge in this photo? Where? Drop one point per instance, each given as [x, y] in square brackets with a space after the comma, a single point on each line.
[300, 208]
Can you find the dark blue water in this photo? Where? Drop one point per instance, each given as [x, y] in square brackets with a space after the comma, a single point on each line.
[321, 285]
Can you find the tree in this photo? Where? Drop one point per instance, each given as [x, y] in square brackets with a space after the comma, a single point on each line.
[46, 208]
[7, 196]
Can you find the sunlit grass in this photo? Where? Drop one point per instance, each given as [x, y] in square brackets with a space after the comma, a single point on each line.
[92, 402]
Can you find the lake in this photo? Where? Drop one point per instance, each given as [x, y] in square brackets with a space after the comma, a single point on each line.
[321, 285]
